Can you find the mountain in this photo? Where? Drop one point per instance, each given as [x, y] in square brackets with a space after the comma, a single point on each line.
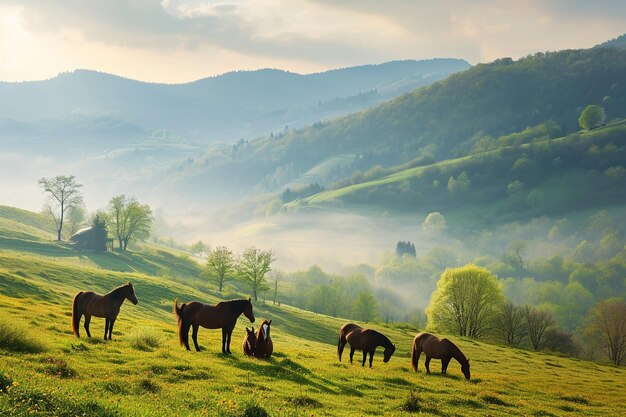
[444, 120]
[242, 104]
[619, 42]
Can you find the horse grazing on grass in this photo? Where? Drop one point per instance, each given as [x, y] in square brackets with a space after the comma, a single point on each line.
[366, 340]
[108, 306]
[264, 345]
[221, 315]
[249, 342]
[436, 348]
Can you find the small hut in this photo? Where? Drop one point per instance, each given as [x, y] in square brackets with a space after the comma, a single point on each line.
[88, 239]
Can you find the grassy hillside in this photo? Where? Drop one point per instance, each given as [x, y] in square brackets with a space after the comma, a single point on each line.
[144, 372]
[504, 183]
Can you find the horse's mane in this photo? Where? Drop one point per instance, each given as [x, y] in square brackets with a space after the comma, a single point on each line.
[235, 301]
[386, 340]
[456, 352]
[120, 288]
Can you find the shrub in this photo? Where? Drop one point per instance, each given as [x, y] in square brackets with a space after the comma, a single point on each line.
[145, 339]
[16, 338]
[5, 382]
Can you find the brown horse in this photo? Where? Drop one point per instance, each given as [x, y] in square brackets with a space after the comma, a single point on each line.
[107, 306]
[366, 340]
[264, 345]
[436, 348]
[221, 315]
[249, 342]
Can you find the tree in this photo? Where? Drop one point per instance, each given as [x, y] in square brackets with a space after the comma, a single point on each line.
[514, 256]
[275, 277]
[608, 319]
[365, 306]
[75, 216]
[537, 324]
[592, 116]
[100, 233]
[252, 268]
[219, 265]
[64, 193]
[509, 324]
[199, 248]
[434, 223]
[407, 248]
[127, 219]
[465, 301]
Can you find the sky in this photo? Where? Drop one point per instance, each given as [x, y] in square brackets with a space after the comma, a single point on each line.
[176, 41]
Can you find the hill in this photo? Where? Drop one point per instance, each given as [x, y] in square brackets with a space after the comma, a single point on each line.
[143, 371]
[508, 182]
[242, 104]
[441, 121]
[619, 42]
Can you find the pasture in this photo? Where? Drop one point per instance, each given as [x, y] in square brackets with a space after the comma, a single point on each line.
[45, 370]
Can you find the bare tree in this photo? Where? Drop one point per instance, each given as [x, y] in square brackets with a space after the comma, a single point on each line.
[537, 324]
[510, 324]
[515, 253]
[608, 318]
[252, 268]
[220, 265]
[275, 278]
[64, 193]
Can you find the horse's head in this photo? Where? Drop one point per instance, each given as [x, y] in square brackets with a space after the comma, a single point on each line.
[130, 293]
[247, 311]
[250, 338]
[265, 326]
[388, 352]
[465, 368]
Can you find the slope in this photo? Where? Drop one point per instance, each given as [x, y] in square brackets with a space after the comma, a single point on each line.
[508, 183]
[143, 371]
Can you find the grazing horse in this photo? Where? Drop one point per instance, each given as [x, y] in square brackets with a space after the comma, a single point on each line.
[107, 306]
[221, 315]
[264, 345]
[249, 342]
[366, 340]
[436, 348]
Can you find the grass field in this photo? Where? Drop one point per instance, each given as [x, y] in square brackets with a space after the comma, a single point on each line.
[45, 370]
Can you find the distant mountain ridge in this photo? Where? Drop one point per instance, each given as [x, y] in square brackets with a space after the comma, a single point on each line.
[227, 107]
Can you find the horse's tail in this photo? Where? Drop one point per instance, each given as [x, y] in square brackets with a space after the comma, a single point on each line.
[178, 312]
[414, 356]
[76, 316]
[341, 344]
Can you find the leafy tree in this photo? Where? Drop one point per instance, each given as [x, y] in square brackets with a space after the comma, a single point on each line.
[509, 324]
[365, 307]
[219, 265]
[100, 233]
[537, 324]
[608, 319]
[64, 193]
[466, 301]
[434, 223]
[127, 219]
[75, 217]
[253, 267]
[592, 116]
[199, 248]
[407, 248]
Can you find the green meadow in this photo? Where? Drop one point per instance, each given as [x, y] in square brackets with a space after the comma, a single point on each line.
[45, 370]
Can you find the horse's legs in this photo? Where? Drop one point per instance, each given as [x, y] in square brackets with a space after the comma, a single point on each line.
[228, 335]
[427, 364]
[364, 357]
[111, 322]
[372, 357]
[340, 345]
[351, 353]
[106, 327]
[444, 365]
[223, 340]
[87, 320]
[194, 336]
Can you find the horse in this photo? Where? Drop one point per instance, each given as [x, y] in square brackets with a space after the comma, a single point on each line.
[221, 315]
[264, 345]
[107, 306]
[249, 342]
[437, 348]
[366, 340]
